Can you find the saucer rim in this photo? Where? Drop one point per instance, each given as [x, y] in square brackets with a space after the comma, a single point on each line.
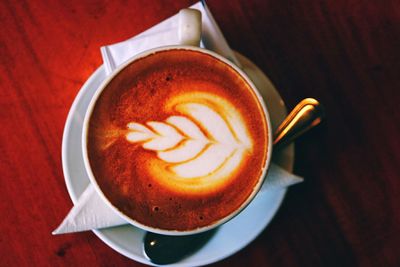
[100, 233]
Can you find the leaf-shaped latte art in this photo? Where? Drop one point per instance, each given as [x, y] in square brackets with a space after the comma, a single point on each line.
[198, 143]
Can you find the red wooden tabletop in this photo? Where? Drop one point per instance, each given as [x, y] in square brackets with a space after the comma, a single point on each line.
[346, 53]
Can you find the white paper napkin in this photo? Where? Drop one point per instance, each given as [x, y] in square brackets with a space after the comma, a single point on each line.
[91, 212]
[167, 33]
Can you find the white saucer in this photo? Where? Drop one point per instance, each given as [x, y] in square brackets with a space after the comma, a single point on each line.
[230, 237]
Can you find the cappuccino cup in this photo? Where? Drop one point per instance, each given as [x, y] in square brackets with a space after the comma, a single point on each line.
[177, 140]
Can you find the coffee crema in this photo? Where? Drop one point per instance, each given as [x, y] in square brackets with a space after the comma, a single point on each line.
[177, 140]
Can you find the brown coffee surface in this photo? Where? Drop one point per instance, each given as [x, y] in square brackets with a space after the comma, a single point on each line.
[178, 140]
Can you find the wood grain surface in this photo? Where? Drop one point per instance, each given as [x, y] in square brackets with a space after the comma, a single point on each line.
[346, 53]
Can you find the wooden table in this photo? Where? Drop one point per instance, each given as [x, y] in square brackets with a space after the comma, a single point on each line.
[346, 53]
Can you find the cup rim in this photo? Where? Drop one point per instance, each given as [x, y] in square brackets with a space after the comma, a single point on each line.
[89, 112]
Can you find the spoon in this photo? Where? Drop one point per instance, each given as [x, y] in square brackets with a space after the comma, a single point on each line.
[164, 249]
[307, 114]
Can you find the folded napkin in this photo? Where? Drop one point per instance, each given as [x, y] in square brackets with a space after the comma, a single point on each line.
[167, 33]
[90, 211]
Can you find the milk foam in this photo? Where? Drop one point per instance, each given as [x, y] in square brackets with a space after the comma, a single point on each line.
[207, 137]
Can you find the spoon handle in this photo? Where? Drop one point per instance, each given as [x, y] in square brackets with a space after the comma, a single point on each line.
[306, 114]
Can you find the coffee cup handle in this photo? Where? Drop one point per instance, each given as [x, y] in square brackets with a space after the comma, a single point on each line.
[189, 28]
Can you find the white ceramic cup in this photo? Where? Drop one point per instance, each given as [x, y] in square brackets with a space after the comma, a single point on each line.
[121, 69]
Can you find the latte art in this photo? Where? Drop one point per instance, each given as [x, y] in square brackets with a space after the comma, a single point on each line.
[201, 143]
[178, 140]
